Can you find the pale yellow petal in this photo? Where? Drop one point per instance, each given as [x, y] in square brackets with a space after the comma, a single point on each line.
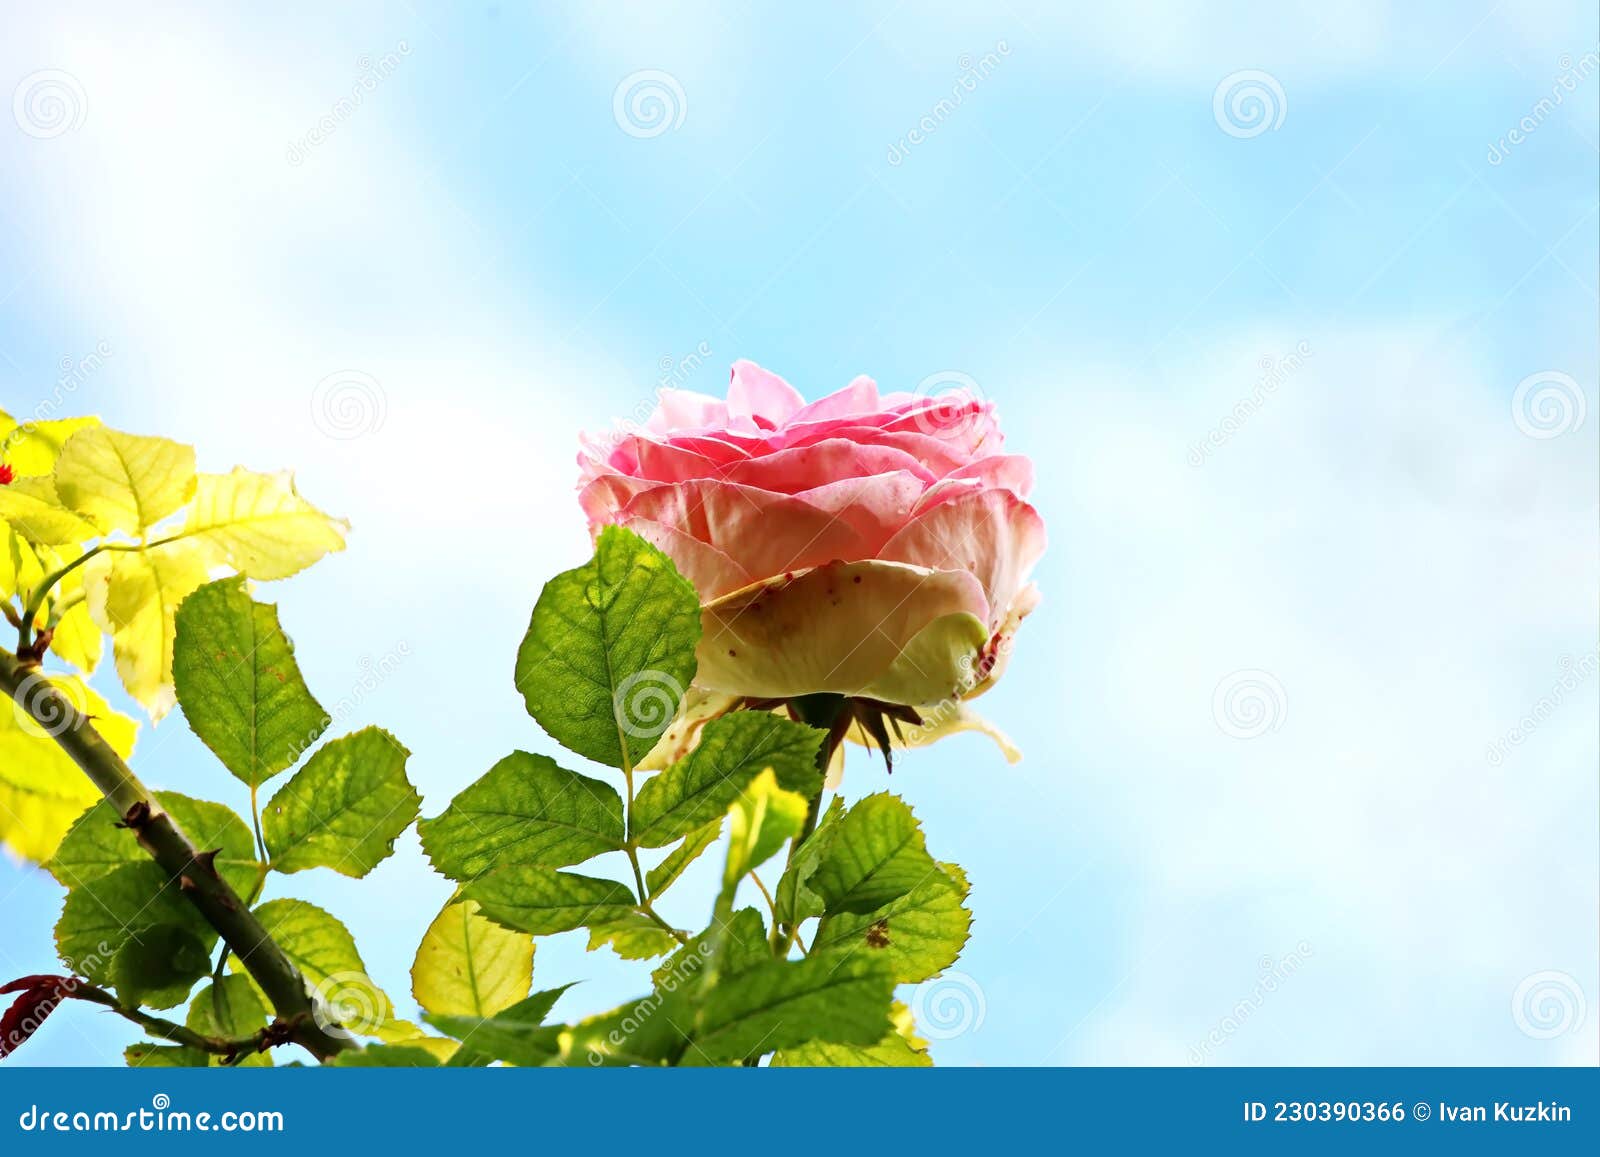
[878, 629]
[938, 721]
[698, 708]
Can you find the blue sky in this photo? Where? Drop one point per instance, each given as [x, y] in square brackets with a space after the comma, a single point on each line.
[1380, 537]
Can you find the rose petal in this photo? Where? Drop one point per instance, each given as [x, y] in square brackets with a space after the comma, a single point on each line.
[967, 424]
[686, 410]
[1011, 472]
[764, 534]
[876, 506]
[720, 450]
[759, 394]
[938, 458]
[859, 397]
[889, 632]
[666, 462]
[997, 655]
[603, 499]
[800, 468]
[711, 572]
[992, 534]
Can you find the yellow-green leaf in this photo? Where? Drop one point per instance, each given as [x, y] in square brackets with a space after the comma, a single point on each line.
[259, 524]
[325, 953]
[31, 447]
[633, 937]
[124, 481]
[760, 821]
[666, 873]
[133, 596]
[34, 511]
[20, 567]
[77, 641]
[41, 790]
[467, 965]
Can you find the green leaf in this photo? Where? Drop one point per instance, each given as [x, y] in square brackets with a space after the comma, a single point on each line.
[610, 650]
[739, 943]
[149, 1056]
[516, 1035]
[107, 912]
[915, 937]
[230, 1008]
[386, 1057]
[325, 953]
[526, 810]
[761, 820]
[876, 855]
[733, 750]
[345, 808]
[784, 1003]
[665, 874]
[467, 965]
[794, 900]
[238, 682]
[648, 1032]
[892, 1052]
[633, 937]
[157, 966]
[538, 901]
[99, 844]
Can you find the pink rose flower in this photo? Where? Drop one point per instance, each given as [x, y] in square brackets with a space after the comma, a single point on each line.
[877, 547]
